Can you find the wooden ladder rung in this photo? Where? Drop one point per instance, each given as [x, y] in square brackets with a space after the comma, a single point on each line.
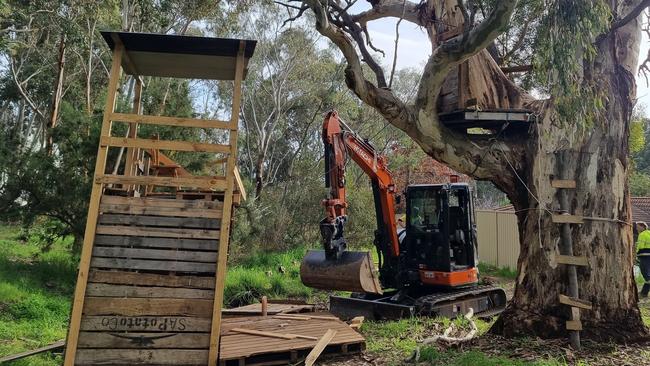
[573, 260]
[566, 219]
[573, 325]
[563, 183]
[572, 301]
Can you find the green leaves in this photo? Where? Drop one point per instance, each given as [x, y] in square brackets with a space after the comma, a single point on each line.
[564, 46]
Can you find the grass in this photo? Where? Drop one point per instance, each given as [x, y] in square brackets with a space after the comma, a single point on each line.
[35, 292]
[275, 275]
[394, 342]
[486, 269]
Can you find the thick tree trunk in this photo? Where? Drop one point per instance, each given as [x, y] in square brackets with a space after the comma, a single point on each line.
[599, 165]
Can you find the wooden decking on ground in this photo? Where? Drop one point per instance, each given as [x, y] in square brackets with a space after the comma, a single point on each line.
[245, 349]
[272, 309]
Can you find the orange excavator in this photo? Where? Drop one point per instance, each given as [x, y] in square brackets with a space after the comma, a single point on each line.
[427, 268]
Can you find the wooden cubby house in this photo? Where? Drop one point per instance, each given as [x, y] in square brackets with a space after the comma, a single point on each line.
[151, 276]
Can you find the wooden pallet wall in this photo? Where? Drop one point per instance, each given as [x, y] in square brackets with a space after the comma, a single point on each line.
[150, 292]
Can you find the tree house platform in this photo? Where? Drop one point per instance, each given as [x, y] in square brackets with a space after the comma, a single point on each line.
[153, 262]
[494, 119]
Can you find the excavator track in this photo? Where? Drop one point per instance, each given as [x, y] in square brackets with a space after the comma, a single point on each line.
[485, 301]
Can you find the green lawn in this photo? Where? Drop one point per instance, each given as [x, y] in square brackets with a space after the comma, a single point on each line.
[35, 292]
[36, 289]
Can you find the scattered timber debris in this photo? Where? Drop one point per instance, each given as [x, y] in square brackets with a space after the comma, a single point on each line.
[446, 337]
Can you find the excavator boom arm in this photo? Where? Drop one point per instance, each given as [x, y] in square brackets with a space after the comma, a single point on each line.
[340, 142]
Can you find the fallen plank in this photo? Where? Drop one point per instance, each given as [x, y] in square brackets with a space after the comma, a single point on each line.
[18, 356]
[294, 317]
[304, 317]
[319, 347]
[356, 322]
[272, 334]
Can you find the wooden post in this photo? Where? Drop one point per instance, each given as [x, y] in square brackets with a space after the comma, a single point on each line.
[224, 234]
[265, 306]
[130, 167]
[93, 212]
[566, 244]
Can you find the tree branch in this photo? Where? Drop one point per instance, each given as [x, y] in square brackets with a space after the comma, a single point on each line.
[390, 9]
[456, 50]
[633, 14]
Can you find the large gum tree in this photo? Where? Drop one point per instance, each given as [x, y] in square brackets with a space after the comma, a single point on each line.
[584, 56]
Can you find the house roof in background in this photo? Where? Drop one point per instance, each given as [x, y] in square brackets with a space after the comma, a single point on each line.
[189, 57]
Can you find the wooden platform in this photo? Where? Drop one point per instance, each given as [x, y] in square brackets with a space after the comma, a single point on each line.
[487, 119]
[272, 309]
[244, 349]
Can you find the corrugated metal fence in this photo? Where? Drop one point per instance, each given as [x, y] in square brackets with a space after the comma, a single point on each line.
[498, 238]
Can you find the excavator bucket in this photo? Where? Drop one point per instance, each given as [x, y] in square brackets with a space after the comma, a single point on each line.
[353, 271]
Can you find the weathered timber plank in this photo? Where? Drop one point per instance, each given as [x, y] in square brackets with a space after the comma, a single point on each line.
[143, 340]
[567, 219]
[575, 313]
[161, 202]
[563, 183]
[570, 259]
[146, 324]
[141, 357]
[150, 279]
[157, 232]
[572, 301]
[319, 347]
[160, 211]
[169, 121]
[152, 265]
[143, 220]
[175, 145]
[177, 255]
[107, 290]
[215, 183]
[573, 325]
[147, 307]
[18, 356]
[138, 241]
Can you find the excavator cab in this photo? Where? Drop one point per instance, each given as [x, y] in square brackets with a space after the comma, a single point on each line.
[439, 245]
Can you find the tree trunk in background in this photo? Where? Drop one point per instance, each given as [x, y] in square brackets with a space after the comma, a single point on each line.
[259, 176]
[56, 98]
[599, 165]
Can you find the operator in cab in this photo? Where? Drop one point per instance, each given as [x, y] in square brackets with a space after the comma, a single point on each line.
[643, 254]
